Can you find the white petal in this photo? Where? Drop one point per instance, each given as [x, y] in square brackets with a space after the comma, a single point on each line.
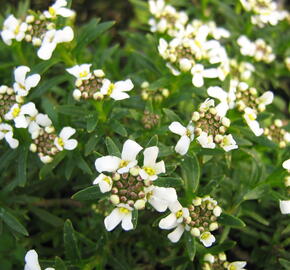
[67, 132]
[166, 194]
[105, 187]
[159, 167]
[124, 85]
[222, 109]
[20, 74]
[46, 50]
[182, 145]
[31, 260]
[176, 234]
[130, 150]
[168, 222]
[150, 156]
[286, 164]
[177, 128]
[117, 95]
[210, 73]
[105, 86]
[158, 205]
[70, 144]
[32, 81]
[127, 222]
[175, 206]
[266, 98]
[107, 164]
[13, 143]
[43, 120]
[217, 92]
[29, 109]
[197, 80]
[65, 12]
[64, 35]
[285, 207]
[112, 220]
[21, 122]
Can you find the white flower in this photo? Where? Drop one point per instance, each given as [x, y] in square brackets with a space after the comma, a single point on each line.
[239, 265]
[22, 83]
[105, 183]
[63, 141]
[13, 29]
[123, 213]
[6, 132]
[207, 239]
[31, 261]
[228, 143]
[265, 99]
[250, 117]
[36, 122]
[247, 47]
[51, 39]
[117, 90]
[81, 72]
[227, 99]
[286, 165]
[58, 8]
[205, 140]
[187, 135]
[284, 207]
[150, 168]
[174, 220]
[206, 104]
[122, 165]
[21, 115]
[160, 197]
[199, 73]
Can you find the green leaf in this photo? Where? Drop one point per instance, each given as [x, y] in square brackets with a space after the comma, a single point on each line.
[168, 182]
[22, 166]
[82, 164]
[47, 217]
[221, 247]
[48, 168]
[6, 158]
[171, 115]
[190, 171]
[70, 242]
[135, 218]
[89, 193]
[12, 222]
[118, 128]
[59, 264]
[232, 221]
[91, 144]
[257, 192]
[112, 148]
[92, 122]
[90, 32]
[153, 141]
[285, 263]
[190, 245]
[72, 110]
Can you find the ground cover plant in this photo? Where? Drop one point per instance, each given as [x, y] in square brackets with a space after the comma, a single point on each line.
[144, 135]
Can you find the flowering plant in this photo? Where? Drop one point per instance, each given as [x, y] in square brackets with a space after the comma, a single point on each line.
[159, 140]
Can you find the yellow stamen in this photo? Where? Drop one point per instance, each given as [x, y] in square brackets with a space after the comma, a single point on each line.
[149, 171]
[60, 142]
[15, 112]
[107, 179]
[84, 74]
[179, 214]
[252, 116]
[52, 11]
[232, 267]
[124, 210]
[205, 236]
[110, 89]
[123, 163]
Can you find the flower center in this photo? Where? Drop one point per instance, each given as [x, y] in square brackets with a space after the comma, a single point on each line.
[232, 267]
[149, 171]
[252, 116]
[124, 210]
[205, 236]
[15, 112]
[17, 29]
[123, 163]
[111, 88]
[188, 133]
[60, 142]
[52, 11]
[179, 214]
[84, 74]
[107, 179]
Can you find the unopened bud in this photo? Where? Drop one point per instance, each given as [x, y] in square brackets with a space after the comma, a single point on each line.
[99, 73]
[213, 226]
[195, 232]
[226, 121]
[115, 199]
[195, 116]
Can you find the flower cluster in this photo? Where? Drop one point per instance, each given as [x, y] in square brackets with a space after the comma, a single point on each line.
[208, 127]
[193, 43]
[153, 94]
[40, 28]
[264, 12]
[200, 218]
[275, 132]
[166, 18]
[258, 49]
[25, 115]
[93, 85]
[150, 120]
[220, 262]
[131, 186]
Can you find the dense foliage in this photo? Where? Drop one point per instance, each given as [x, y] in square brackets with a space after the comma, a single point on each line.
[199, 88]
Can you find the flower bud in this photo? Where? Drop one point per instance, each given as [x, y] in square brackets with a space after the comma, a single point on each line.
[78, 82]
[165, 92]
[115, 199]
[195, 232]
[116, 177]
[209, 258]
[184, 64]
[196, 201]
[134, 171]
[195, 116]
[287, 181]
[98, 96]
[99, 73]
[33, 147]
[218, 138]
[213, 226]
[226, 121]
[217, 211]
[213, 111]
[77, 94]
[139, 204]
[278, 123]
[222, 256]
